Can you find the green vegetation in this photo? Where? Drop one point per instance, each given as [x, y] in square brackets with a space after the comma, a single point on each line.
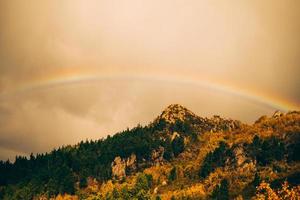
[247, 160]
[173, 174]
[177, 145]
[221, 191]
[266, 151]
[215, 159]
[141, 190]
[57, 172]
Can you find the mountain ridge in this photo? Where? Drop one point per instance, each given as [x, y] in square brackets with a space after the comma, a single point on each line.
[179, 155]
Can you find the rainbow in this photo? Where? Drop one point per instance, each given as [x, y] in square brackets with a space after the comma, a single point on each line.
[82, 75]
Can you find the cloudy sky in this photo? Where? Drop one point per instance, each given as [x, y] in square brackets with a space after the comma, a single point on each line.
[72, 70]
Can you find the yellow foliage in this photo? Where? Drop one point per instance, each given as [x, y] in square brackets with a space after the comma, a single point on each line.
[188, 184]
[265, 192]
[66, 197]
[159, 173]
[194, 191]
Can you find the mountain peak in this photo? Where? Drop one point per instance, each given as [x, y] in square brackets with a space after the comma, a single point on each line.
[175, 112]
[175, 108]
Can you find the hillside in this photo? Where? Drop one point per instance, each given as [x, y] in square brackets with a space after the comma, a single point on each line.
[177, 156]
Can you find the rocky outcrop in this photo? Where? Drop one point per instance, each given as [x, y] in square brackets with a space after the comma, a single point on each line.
[240, 156]
[157, 156]
[174, 135]
[176, 112]
[277, 114]
[131, 163]
[219, 124]
[261, 119]
[121, 167]
[241, 162]
[118, 168]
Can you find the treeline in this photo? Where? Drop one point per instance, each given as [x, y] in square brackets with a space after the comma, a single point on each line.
[57, 172]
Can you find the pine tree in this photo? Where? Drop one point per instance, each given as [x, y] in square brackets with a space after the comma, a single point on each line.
[178, 145]
[173, 174]
[221, 191]
[256, 180]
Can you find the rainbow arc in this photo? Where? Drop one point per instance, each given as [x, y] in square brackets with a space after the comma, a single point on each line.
[79, 76]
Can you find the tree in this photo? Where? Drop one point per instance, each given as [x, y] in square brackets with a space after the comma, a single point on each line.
[293, 151]
[24, 193]
[160, 125]
[52, 188]
[214, 159]
[256, 180]
[266, 151]
[83, 182]
[173, 174]
[168, 154]
[65, 180]
[221, 191]
[144, 182]
[178, 145]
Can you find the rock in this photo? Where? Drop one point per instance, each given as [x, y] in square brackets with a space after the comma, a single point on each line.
[118, 168]
[131, 163]
[277, 114]
[157, 156]
[174, 135]
[261, 119]
[176, 112]
[240, 156]
[216, 123]
[155, 190]
[242, 164]
[121, 167]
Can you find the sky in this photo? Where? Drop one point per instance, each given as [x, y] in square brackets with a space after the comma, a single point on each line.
[74, 70]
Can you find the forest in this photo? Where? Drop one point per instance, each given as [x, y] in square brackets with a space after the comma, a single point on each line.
[195, 158]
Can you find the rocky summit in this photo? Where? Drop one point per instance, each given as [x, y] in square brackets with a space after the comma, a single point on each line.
[177, 156]
[176, 112]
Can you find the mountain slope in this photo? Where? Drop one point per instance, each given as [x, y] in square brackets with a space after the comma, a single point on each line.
[179, 155]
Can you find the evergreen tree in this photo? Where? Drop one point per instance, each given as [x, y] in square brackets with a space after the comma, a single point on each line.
[221, 191]
[168, 153]
[178, 145]
[214, 159]
[256, 180]
[173, 174]
[266, 151]
[83, 182]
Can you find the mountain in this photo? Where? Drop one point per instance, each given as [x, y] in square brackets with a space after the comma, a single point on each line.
[177, 156]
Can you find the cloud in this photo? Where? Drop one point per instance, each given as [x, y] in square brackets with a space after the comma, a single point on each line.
[252, 45]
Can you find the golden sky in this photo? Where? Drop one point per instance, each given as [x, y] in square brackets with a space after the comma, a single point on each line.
[71, 70]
